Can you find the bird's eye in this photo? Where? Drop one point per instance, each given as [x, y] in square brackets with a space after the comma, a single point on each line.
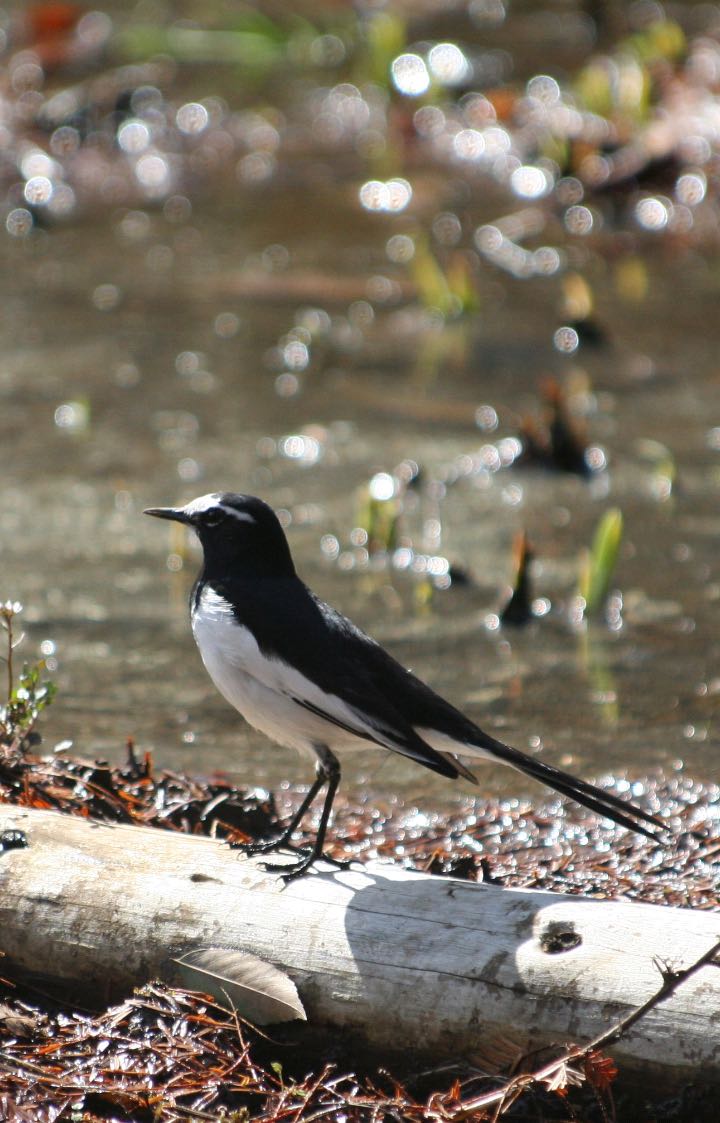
[214, 517]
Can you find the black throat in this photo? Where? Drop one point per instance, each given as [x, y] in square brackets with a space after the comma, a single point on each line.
[245, 551]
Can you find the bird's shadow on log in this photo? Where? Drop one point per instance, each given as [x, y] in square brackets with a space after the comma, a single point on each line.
[474, 962]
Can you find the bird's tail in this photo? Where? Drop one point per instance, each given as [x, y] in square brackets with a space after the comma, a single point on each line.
[603, 803]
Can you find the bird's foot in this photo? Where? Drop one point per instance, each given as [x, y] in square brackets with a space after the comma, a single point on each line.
[289, 872]
[267, 847]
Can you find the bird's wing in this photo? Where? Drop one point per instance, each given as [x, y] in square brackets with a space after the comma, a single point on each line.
[352, 682]
[448, 731]
[403, 741]
[322, 664]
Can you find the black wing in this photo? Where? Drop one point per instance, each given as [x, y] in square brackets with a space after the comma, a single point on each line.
[332, 652]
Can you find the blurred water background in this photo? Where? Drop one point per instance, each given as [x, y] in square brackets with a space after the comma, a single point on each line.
[364, 260]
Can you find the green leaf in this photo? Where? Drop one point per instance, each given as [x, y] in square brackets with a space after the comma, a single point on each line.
[253, 49]
[386, 36]
[598, 564]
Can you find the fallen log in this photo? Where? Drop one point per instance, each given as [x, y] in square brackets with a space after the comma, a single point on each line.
[411, 961]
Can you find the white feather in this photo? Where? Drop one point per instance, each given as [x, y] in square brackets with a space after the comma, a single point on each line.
[445, 744]
[202, 503]
[213, 499]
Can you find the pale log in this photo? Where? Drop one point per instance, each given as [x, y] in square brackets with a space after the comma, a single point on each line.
[412, 962]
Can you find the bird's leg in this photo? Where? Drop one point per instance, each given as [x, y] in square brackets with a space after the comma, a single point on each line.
[328, 772]
[283, 839]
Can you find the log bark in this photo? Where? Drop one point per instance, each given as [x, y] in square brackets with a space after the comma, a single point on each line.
[411, 961]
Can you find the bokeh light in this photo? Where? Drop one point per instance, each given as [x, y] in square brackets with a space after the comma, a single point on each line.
[579, 220]
[192, 118]
[72, 417]
[544, 89]
[392, 196]
[400, 248]
[566, 340]
[653, 213]
[448, 64]
[382, 486]
[38, 191]
[410, 75]
[691, 188]
[469, 144]
[19, 222]
[530, 182]
[133, 137]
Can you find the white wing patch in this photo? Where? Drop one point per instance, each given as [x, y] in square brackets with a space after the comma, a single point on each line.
[269, 693]
[445, 744]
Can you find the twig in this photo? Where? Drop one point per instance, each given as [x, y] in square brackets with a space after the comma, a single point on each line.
[518, 1084]
[193, 1113]
[671, 981]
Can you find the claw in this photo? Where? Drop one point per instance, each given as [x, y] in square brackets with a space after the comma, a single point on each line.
[290, 872]
[280, 843]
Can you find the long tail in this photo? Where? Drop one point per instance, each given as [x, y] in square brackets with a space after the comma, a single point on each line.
[601, 802]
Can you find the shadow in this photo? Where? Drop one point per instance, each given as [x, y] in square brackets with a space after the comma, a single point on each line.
[459, 969]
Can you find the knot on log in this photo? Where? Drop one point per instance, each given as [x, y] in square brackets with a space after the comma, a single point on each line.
[559, 936]
[13, 840]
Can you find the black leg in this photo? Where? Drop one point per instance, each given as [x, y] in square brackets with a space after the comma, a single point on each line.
[328, 772]
[283, 839]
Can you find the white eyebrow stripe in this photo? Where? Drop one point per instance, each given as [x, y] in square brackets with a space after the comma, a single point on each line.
[241, 516]
[202, 503]
[213, 499]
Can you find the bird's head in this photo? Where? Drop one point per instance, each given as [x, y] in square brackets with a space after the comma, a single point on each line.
[239, 534]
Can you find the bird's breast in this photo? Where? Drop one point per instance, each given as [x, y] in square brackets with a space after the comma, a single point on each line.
[226, 646]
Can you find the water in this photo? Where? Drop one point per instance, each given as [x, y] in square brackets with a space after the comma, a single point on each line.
[145, 361]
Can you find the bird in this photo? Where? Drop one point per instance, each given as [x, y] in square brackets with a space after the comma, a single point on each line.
[308, 678]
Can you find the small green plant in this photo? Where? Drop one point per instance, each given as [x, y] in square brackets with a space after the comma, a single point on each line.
[431, 280]
[597, 564]
[386, 38]
[25, 700]
[379, 516]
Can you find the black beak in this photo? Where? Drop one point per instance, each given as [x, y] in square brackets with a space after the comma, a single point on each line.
[176, 514]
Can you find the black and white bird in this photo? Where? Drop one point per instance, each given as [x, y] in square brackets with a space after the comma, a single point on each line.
[307, 677]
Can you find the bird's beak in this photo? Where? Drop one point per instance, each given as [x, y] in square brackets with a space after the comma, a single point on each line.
[176, 514]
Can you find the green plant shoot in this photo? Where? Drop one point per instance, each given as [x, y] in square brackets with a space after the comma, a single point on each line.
[26, 700]
[597, 564]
